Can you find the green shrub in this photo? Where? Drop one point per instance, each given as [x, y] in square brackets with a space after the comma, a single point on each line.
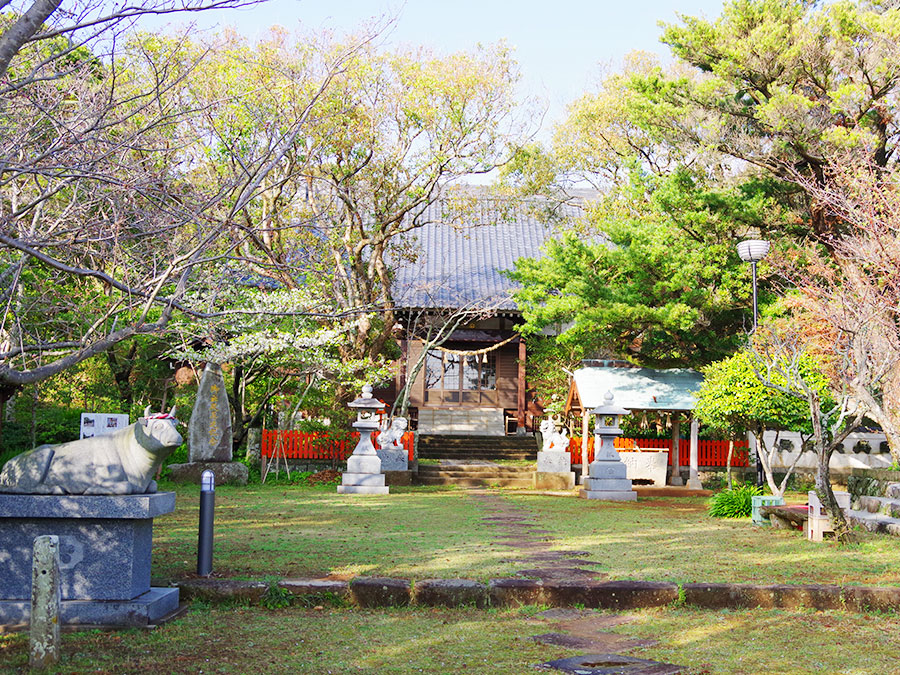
[178, 456]
[276, 597]
[734, 503]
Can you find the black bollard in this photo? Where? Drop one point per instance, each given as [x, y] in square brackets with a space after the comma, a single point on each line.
[205, 538]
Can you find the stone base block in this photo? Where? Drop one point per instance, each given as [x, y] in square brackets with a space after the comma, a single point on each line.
[610, 496]
[451, 593]
[145, 610]
[316, 588]
[226, 473]
[220, 590]
[458, 421]
[398, 477]
[362, 490]
[545, 480]
[393, 460]
[367, 479]
[104, 543]
[608, 470]
[608, 484]
[553, 462]
[380, 592]
[780, 596]
[363, 464]
[516, 592]
[612, 663]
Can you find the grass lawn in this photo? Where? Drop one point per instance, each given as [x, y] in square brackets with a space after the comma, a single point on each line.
[418, 533]
[339, 640]
[674, 540]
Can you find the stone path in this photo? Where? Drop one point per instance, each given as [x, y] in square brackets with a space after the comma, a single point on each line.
[573, 628]
[531, 545]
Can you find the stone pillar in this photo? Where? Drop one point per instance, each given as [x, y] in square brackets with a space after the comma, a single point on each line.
[585, 428]
[694, 480]
[254, 445]
[676, 451]
[44, 642]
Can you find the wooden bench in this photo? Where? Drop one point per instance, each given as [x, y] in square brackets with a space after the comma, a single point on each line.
[812, 519]
[785, 517]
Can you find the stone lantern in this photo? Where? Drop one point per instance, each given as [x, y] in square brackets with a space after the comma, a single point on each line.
[363, 474]
[607, 477]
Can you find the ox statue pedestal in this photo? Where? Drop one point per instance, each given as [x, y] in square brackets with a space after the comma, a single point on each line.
[104, 543]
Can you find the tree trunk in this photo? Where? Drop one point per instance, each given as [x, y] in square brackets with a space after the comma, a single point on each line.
[121, 369]
[728, 462]
[238, 429]
[762, 455]
[824, 448]
[889, 415]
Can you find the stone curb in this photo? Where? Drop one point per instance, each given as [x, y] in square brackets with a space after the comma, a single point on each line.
[380, 592]
[316, 587]
[221, 590]
[451, 593]
[785, 596]
[371, 592]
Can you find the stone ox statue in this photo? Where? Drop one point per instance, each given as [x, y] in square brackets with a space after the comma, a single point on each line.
[121, 463]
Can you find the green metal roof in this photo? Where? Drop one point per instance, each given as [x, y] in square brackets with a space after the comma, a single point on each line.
[639, 388]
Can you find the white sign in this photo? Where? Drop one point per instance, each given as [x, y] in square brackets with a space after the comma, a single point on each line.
[98, 424]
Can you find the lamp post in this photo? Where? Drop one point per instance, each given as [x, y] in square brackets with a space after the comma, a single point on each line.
[752, 251]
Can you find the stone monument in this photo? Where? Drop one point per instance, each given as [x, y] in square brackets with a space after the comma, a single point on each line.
[554, 465]
[607, 477]
[209, 435]
[98, 497]
[363, 474]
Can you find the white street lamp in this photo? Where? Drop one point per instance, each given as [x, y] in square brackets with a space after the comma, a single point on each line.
[752, 251]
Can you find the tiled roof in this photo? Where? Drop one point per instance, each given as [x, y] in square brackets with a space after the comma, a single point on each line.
[459, 264]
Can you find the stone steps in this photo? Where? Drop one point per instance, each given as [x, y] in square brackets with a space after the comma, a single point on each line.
[875, 522]
[475, 475]
[478, 482]
[474, 472]
[884, 505]
[478, 447]
[480, 456]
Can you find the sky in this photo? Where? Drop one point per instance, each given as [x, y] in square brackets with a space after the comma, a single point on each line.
[562, 46]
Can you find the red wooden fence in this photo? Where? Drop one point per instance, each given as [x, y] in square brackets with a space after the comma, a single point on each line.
[709, 453]
[302, 445]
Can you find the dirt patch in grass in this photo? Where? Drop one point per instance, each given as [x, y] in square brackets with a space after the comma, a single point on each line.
[325, 477]
[675, 505]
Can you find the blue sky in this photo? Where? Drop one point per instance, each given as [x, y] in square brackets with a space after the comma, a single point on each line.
[560, 44]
